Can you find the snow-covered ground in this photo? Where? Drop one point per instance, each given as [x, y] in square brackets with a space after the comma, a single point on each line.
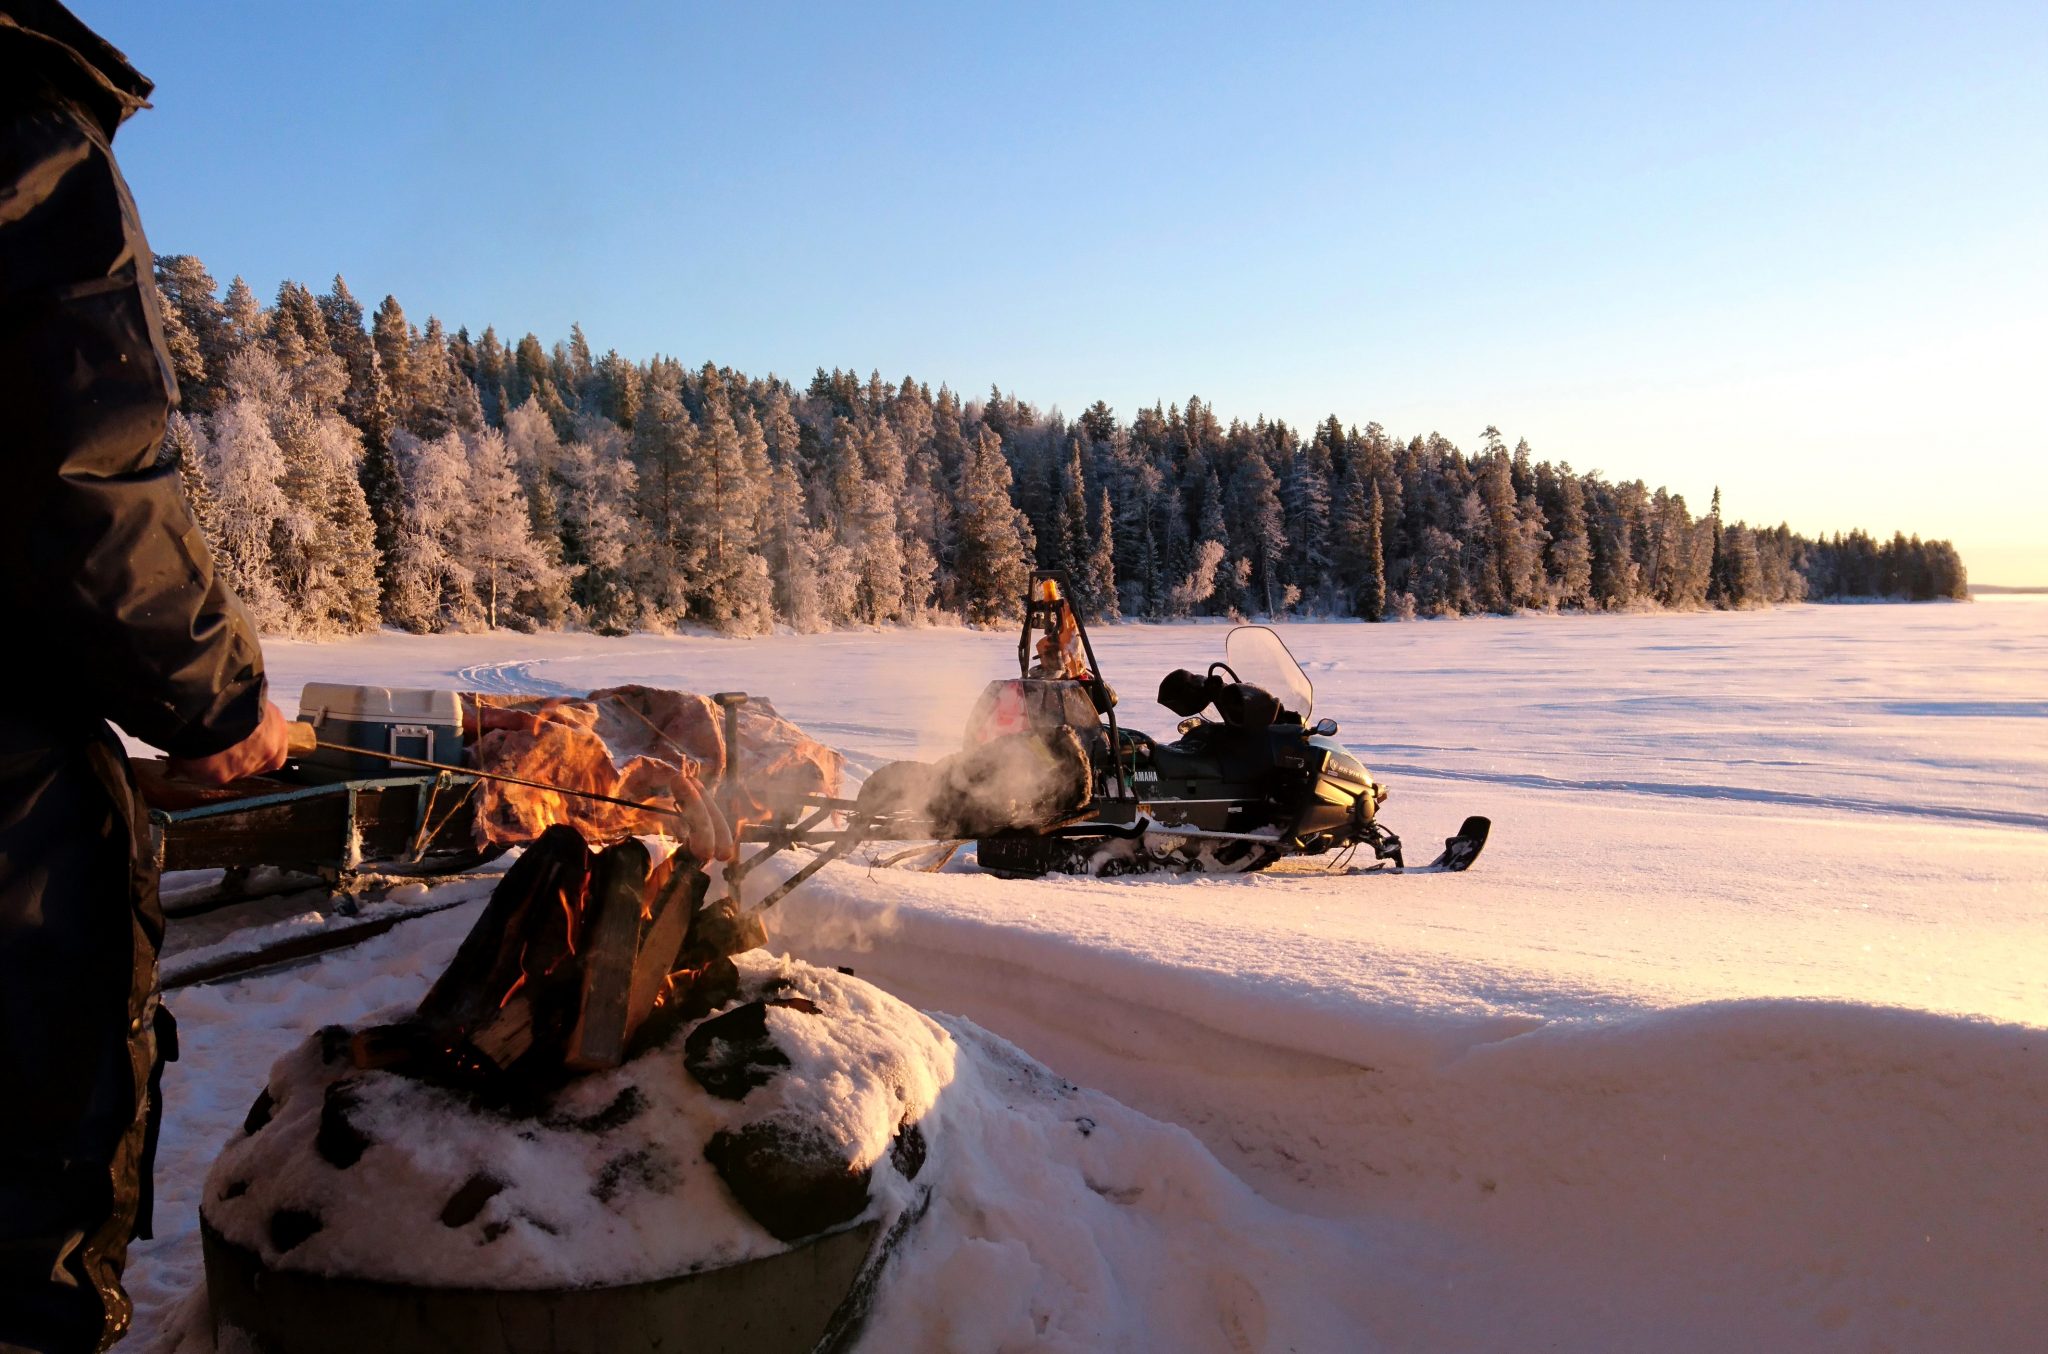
[1734, 1038]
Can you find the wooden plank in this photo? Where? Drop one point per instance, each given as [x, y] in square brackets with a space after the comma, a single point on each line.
[661, 938]
[506, 1036]
[609, 940]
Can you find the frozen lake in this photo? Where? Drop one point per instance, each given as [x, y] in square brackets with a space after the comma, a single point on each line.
[1839, 801]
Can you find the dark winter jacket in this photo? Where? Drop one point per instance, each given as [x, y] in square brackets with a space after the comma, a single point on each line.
[113, 609]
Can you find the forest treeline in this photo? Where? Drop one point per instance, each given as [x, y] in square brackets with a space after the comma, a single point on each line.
[351, 470]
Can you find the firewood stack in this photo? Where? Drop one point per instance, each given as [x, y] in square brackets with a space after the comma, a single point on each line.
[580, 959]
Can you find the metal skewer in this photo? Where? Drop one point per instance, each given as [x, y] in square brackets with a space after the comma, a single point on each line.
[303, 739]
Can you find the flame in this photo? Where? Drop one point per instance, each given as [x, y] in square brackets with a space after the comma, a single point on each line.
[572, 913]
[651, 746]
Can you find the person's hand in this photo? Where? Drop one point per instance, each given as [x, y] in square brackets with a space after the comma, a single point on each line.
[263, 750]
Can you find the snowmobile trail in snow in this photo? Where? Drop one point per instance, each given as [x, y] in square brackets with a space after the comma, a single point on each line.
[513, 677]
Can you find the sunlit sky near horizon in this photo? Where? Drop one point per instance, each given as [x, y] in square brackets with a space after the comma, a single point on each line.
[1794, 251]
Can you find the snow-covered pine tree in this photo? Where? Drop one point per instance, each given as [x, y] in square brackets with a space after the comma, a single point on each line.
[1571, 552]
[495, 535]
[433, 583]
[791, 547]
[1717, 567]
[600, 528]
[1211, 529]
[1070, 547]
[663, 438]
[366, 403]
[1438, 578]
[995, 545]
[866, 469]
[617, 395]
[184, 446]
[1372, 594]
[1306, 494]
[244, 468]
[1259, 527]
[729, 464]
[194, 296]
[188, 365]
[1101, 571]
[392, 336]
[440, 397]
[1742, 575]
[242, 316]
[1503, 587]
[323, 544]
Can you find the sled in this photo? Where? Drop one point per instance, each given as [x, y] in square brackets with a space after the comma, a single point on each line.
[351, 834]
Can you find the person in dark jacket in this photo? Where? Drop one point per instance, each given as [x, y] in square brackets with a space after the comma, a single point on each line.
[113, 612]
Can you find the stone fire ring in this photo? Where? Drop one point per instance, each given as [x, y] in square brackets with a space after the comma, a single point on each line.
[812, 1297]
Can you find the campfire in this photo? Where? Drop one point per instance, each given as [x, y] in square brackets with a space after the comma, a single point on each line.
[586, 955]
[580, 959]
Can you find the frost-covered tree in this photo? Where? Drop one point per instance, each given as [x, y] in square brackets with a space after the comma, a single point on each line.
[245, 469]
[192, 296]
[730, 467]
[1571, 552]
[1101, 571]
[600, 528]
[1070, 549]
[996, 545]
[242, 317]
[1371, 597]
[433, 583]
[496, 534]
[1260, 530]
[792, 548]
[663, 443]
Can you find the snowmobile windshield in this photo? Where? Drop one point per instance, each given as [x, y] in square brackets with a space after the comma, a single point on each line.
[1258, 656]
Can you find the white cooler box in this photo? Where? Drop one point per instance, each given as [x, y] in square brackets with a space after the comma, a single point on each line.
[408, 721]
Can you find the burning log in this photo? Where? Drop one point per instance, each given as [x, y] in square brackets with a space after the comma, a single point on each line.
[574, 954]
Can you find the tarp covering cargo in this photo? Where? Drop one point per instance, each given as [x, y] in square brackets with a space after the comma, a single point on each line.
[639, 743]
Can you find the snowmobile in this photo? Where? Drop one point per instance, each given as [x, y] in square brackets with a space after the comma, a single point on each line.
[1247, 781]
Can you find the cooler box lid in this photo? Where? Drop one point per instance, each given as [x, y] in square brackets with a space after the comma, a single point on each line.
[323, 701]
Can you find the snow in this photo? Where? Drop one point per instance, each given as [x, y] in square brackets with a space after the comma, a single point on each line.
[1733, 1038]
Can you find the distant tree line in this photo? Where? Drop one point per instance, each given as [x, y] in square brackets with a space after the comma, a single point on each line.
[352, 469]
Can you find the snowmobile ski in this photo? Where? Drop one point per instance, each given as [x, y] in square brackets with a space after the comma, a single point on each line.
[1464, 848]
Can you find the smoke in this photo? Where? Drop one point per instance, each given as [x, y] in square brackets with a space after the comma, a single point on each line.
[1028, 779]
[942, 694]
[818, 918]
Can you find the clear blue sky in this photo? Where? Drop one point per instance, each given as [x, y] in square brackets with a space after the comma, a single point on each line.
[1801, 251]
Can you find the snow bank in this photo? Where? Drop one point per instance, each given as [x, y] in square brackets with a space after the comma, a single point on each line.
[1764, 1174]
[1063, 1221]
